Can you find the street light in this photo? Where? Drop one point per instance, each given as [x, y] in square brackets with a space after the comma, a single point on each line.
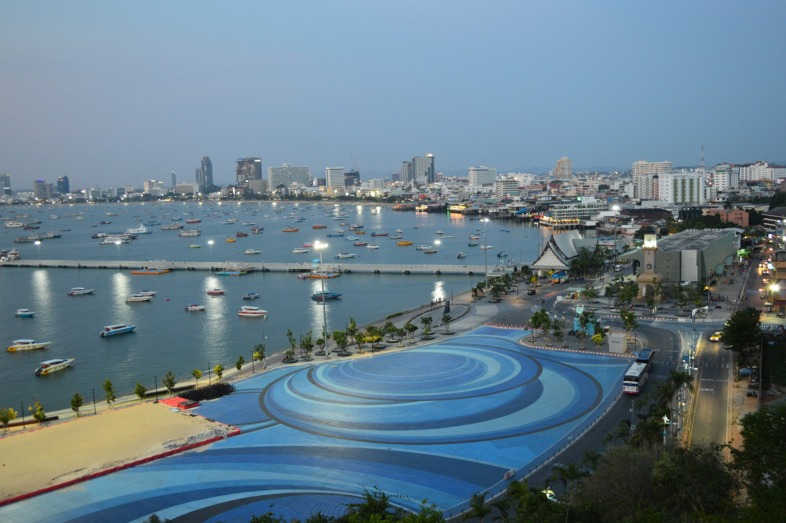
[117, 244]
[318, 245]
[485, 250]
[616, 209]
[210, 243]
[38, 244]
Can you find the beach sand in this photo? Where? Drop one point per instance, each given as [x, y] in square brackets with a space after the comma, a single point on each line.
[49, 455]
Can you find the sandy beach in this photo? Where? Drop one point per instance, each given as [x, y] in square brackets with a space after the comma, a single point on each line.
[61, 452]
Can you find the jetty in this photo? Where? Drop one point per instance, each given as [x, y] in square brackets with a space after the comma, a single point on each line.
[156, 267]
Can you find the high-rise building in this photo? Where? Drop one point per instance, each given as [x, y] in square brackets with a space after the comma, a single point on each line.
[39, 190]
[153, 187]
[5, 182]
[725, 177]
[334, 180]
[204, 175]
[481, 175]
[682, 188]
[564, 170]
[406, 173]
[423, 169]
[352, 179]
[287, 175]
[248, 169]
[174, 180]
[63, 186]
[645, 178]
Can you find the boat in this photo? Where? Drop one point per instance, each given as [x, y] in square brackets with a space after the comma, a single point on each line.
[344, 255]
[216, 292]
[149, 271]
[190, 233]
[25, 313]
[193, 307]
[430, 250]
[360, 243]
[251, 312]
[396, 237]
[335, 234]
[318, 275]
[473, 244]
[193, 220]
[351, 238]
[474, 237]
[230, 221]
[319, 226]
[299, 250]
[241, 234]
[172, 227]
[231, 240]
[113, 330]
[257, 230]
[403, 243]
[290, 229]
[138, 230]
[325, 296]
[422, 247]
[80, 291]
[251, 251]
[484, 247]
[50, 366]
[145, 292]
[21, 345]
[372, 246]
[379, 234]
[251, 295]
[307, 245]
[137, 297]
[461, 255]
[502, 254]
[195, 246]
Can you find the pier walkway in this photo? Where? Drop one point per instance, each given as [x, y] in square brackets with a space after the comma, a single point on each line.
[367, 268]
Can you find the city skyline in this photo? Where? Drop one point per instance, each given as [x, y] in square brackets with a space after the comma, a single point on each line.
[115, 94]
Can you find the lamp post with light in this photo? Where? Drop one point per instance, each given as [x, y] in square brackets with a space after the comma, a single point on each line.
[210, 243]
[117, 244]
[38, 244]
[485, 251]
[320, 246]
[616, 209]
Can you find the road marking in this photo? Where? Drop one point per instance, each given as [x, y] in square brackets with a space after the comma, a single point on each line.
[706, 390]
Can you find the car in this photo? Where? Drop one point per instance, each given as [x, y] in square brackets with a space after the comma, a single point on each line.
[530, 292]
[781, 315]
[716, 336]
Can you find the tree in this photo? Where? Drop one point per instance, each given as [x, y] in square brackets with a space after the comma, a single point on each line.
[477, 507]
[410, 328]
[360, 338]
[197, 374]
[539, 320]
[109, 392]
[352, 329]
[140, 390]
[390, 330]
[340, 337]
[373, 336]
[742, 333]
[627, 293]
[589, 292]
[446, 319]
[76, 403]
[239, 363]
[307, 344]
[628, 321]
[219, 370]
[168, 381]
[292, 340]
[38, 411]
[7, 416]
[761, 460]
[426, 321]
[375, 507]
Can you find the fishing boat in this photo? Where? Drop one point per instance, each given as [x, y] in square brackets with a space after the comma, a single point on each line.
[136, 297]
[379, 234]
[149, 271]
[193, 220]
[114, 330]
[231, 240]
[50, 366]
[360, 243]
[251, 295]
[257, 230]
[344, 255]
[145, 292]
[461, 255]
[25, 313]
[190, 233]
[22, 345]
[216, 292]
[299, 250]
[372, 246]
[80, 291]
[193, 307]
[195, 246]
[241, 234]
[323, 296]
[290, 229]
[403, 243]
[251, 312]
[251, 251]
[319, 226]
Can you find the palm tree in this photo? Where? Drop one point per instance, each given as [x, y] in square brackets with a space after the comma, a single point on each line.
[446, 319]
[477, 507]
[426, 321]
[410, 328]
[390, 330]
[196, 373]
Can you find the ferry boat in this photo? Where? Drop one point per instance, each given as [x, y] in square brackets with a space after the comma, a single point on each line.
[138, 230]
[251, 312]
[136, 297]
[193, 307]
[50, 366]
[290, 229]
[216, 292]
[114, 330]
[22, 345]
[80, 291]
[24, 313]
[323, 296]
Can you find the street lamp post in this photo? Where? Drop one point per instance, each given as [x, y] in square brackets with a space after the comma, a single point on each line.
[117, 244]
[210, 243]
[320, 246]
[485, 251]
[38, 244]
[616, 209]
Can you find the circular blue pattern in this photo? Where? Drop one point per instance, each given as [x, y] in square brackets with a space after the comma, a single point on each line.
[454, 393]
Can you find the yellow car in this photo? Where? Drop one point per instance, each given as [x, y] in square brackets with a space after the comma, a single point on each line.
[716, 336]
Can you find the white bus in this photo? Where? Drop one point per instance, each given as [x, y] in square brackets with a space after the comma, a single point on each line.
[635, 378]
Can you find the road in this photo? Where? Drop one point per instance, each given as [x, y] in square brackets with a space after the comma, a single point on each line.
[710, 415]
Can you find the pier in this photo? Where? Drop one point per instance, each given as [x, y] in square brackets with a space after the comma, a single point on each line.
[248, 267]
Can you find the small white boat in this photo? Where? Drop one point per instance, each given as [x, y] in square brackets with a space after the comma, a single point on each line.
[137, 297]
[145, 292]
[251, 312]
[138, 230]
[50, 366]
[113, 330]
[300, 250]
[461, 255]
[343, 255]
[423, 247]
[251, 295]
[216, 292]
[20, 345]
[195, 246]
[80, 291]
[193, 307]
[430, 250]
[372, 246]
[25, 313]
[251, 251]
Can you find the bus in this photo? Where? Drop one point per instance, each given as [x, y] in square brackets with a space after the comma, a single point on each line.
[635, 378]
[646, 356]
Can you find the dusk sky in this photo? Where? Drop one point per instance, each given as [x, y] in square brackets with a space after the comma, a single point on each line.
[114, 93]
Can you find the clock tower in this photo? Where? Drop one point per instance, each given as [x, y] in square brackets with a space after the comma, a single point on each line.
[649, 277]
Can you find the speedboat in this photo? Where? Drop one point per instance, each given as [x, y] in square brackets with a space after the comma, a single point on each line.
[430, 250]
[216, 292]
[112, 330]
[325, 296]
[25, 313]
[195, 246]
[251, 312]
[251, 251]
[138, 297]
[251, 296]
[20, 345]
[145, 292]
[403, 243]
[461, 255]
[80, 291]
[50, 366]
[360, 243]
[299, 250]
[193, 307]
[343, 255]
[290, 229]
[372, 246]
[423, 247]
